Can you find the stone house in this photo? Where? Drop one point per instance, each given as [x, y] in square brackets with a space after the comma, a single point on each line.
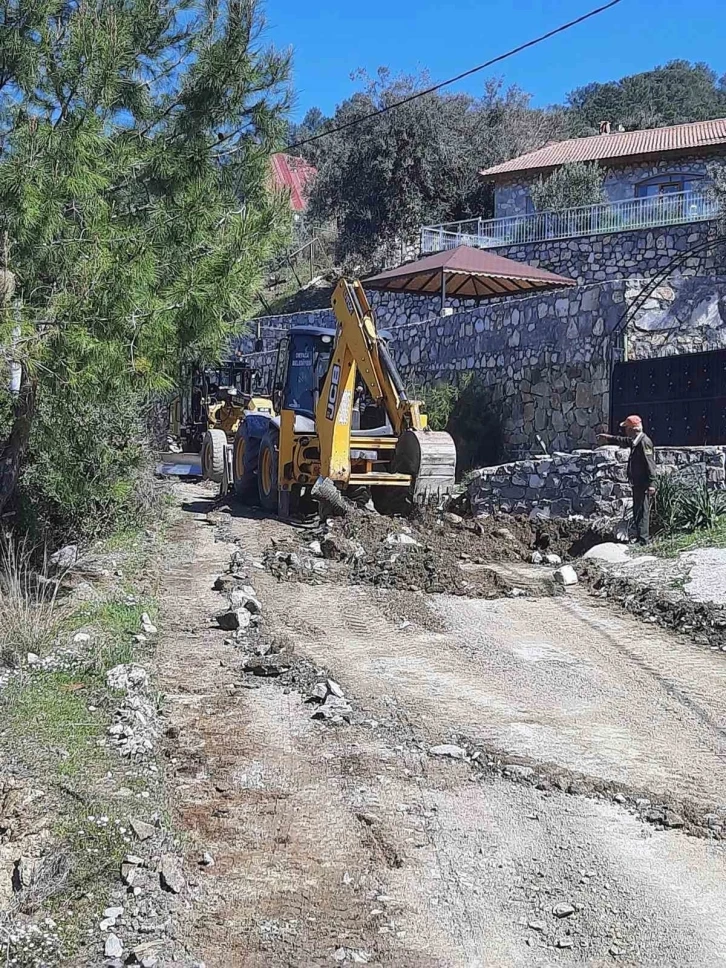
[639, 165]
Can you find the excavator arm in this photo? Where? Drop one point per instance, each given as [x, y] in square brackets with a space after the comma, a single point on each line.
[359, 350]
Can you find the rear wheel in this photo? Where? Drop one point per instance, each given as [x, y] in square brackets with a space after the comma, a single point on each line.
[213, 455]
[267, 472]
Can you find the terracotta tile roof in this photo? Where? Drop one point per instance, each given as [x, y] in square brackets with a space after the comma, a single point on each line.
[626, 144]
[293, 173]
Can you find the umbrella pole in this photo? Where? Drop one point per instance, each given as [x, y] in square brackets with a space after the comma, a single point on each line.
[443, 291]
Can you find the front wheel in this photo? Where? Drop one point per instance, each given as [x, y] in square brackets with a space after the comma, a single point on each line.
[267, 472]
[213, 455]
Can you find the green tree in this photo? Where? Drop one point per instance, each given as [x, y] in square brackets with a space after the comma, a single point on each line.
[672, 94]
[134, 204]
[380, 180]
[577, 183]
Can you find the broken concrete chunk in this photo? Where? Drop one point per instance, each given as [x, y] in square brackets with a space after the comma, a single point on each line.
[448, 749]
[142, 830]
[234, 619]
[319, 692]
[401, 540]
[113, 947]
[170, 875]
[566, 575]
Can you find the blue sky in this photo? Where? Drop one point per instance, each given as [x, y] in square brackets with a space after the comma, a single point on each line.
[330, 39]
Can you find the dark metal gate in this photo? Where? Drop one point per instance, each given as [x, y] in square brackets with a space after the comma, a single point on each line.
[682, 399]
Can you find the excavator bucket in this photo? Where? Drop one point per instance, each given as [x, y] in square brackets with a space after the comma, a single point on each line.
[429, 456]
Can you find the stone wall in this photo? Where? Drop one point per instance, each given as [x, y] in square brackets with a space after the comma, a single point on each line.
[597, 258]
[682, 315]
[586, 482]
[512, 197]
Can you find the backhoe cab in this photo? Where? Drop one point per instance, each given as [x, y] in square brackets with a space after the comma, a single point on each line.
[342, 422]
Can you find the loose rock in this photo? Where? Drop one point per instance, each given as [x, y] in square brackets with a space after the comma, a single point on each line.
[113, 947]
[563, 910]
[170, 875]
[448, 749]
[234, 619]
[566, 575]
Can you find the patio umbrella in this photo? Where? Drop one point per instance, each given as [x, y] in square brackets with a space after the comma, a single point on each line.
[468, 273]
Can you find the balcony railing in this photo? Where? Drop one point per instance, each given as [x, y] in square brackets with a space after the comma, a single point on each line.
[635, 213]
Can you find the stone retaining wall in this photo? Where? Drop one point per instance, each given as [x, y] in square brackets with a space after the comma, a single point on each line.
[585, 482]
[597, 258]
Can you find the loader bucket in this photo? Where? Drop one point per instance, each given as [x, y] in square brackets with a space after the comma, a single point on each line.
[429, 456]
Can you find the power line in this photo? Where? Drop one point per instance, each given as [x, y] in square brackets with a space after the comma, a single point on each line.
[452, 80]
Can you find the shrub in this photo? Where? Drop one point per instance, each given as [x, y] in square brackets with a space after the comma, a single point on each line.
[681, 508]
[88, 469]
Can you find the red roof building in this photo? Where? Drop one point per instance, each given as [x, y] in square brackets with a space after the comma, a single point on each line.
[295, 175]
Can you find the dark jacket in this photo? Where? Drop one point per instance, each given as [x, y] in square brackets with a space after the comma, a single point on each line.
[641, 463]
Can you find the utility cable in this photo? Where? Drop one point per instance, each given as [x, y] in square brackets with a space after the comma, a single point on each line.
[452, 80]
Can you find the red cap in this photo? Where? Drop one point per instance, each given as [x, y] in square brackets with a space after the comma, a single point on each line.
[632, 421]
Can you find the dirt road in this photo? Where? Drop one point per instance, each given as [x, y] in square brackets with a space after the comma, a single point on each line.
[353, 844]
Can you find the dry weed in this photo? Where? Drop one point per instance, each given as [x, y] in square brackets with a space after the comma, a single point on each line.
[29, 608]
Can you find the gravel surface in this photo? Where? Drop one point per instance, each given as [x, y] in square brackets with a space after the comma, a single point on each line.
[351, 843]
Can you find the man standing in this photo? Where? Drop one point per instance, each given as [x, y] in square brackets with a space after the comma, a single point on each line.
[641, 472]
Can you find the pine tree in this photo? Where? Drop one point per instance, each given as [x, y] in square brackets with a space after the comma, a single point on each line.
[134, 148]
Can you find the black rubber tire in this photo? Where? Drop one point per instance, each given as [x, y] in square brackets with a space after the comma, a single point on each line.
[213, 455]
[245, 459]
[267, 471]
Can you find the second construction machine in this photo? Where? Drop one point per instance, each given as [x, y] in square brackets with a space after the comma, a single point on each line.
[341, 422]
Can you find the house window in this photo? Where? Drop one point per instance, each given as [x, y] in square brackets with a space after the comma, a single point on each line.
[667, 184]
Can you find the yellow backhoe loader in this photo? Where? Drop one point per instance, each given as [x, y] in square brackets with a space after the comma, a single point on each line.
[341, 422]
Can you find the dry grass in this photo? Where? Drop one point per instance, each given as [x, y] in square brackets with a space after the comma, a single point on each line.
[30, 613]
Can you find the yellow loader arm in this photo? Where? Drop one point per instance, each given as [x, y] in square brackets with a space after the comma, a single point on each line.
[358, 349]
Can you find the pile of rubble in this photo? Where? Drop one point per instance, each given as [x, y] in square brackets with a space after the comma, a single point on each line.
[434, 551]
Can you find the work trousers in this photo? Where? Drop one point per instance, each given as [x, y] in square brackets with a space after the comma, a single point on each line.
[641, 514]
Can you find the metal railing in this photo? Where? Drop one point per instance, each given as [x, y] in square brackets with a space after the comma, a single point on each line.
[634, 213]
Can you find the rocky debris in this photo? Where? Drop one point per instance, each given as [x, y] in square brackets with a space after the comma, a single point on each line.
[228, 583]
[335, 689]
[318, 693]
[170, 874]
[653, 591]
[81, 638]
[134, 729]
[65, 557]
[207, 859]
[316, 548]
[338, 548]
[142, 830]
[551, 559]
[448, 749]
[129, 678]
[234, 619]
[401, 541]
[245, 597]
[59, 660]
[267, 666]
[696, 819]
[566, 575]
[563, 910]
[334, 710]
[147, 626]
[113, 947]
[352, 955]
